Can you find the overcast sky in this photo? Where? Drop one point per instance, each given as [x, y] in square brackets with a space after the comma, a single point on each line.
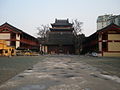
[27, 15]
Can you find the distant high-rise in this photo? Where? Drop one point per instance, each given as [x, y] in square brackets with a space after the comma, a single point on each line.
[105, 20]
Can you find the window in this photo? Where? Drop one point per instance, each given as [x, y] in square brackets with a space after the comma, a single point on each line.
[12, 51]
[1, 51]
[105, 37]
[6, 51]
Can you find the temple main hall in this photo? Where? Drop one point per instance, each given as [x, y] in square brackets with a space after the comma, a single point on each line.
[60, 38]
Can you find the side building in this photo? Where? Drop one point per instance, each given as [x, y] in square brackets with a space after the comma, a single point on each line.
[17, 38]
[60, 38]
[105, 41]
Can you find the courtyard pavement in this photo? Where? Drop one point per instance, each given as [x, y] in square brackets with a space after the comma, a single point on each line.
[62, 72]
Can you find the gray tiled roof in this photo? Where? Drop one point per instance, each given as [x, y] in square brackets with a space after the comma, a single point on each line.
[14, 29]
[61, 22]
[11, 27]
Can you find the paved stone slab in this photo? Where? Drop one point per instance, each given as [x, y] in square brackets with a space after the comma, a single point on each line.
[61, 73]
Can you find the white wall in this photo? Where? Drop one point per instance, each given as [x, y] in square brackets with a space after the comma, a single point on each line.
[101, 25]
[17, 42]
[17, 36]
[4, 35]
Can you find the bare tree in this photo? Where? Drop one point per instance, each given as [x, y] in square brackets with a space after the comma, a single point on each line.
[77, 26]
[43, 30]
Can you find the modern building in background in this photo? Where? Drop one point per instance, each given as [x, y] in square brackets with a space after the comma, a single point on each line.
[105, 20]
[60, 38]
[17, 38]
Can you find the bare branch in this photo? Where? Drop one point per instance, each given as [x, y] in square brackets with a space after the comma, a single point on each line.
[77, 26]
[43, 30]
